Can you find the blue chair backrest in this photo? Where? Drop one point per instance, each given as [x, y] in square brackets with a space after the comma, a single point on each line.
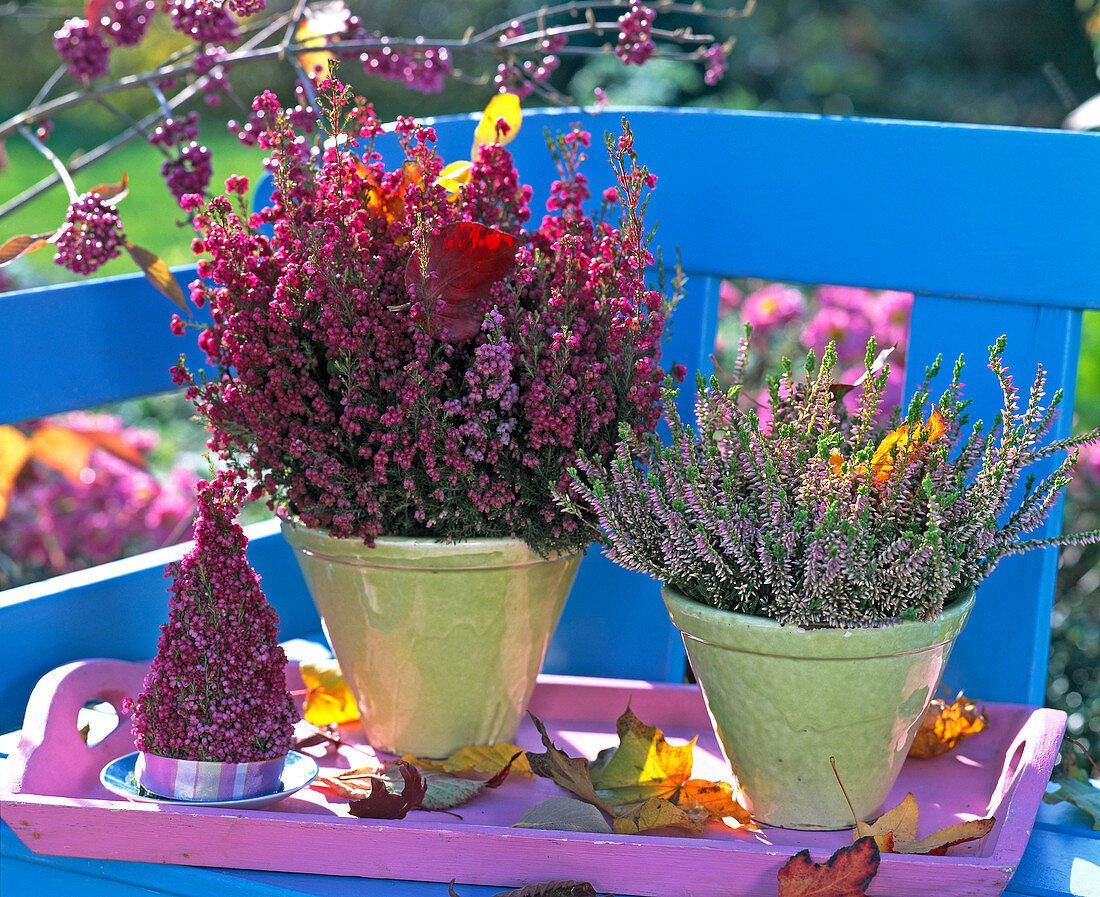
[994, 229]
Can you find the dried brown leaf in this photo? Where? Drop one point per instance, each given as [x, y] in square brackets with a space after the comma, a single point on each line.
[847, 873]
[158, 274]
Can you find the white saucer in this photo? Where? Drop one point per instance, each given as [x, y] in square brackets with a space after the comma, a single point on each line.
[118, 778]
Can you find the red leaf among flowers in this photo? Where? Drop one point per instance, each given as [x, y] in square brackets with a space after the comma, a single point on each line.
[464, 259]
[385, 804]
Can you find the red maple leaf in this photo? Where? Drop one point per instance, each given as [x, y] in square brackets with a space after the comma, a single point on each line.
[464, 259]
[847, 873]
[384, 804]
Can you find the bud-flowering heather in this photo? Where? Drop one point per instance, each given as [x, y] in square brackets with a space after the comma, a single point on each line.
[338, 400]
[217, 687]
[814, 517]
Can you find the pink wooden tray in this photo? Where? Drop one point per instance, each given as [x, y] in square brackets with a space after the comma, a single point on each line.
[53, 800]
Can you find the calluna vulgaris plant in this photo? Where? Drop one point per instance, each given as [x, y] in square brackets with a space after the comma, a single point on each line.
[812, 519]
[366, 396]
[217, 687]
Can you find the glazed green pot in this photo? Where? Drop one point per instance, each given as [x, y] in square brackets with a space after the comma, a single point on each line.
[439, 643]
[784, 700]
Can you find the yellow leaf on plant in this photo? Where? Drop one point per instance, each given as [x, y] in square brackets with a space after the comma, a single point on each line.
[483, 758]
[66, 451]
[896, 831]
[502, 106]
[14, 451]
[453, 176]
[945, 725]
[328, 700]
[320, 22]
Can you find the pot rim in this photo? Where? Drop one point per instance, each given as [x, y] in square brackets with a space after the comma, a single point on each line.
[742, 632]
[417, 552]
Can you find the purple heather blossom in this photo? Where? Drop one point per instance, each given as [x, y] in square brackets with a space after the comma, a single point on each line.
[217, 687]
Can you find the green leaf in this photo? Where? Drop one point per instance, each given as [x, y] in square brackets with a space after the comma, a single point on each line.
[1080, 793]
[156, 270]
[565, 814]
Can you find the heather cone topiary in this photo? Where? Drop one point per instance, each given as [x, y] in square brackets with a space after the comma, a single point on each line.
[217, 688]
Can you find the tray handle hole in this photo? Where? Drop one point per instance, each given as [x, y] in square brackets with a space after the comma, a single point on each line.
[96, 720]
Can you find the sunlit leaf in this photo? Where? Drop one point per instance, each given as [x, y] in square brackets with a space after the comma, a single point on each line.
[14, 451]
[454, 176]
[645, 767]
[847, 873]
[502, 106]
[896, 831]
[156, 270]
[644, 782]
[328, 700]
[565, 814]
[17, 247]
[66, 451]
[113, 193]
[390, 204]
[320, 22]
[944, 725]
[477, 758]
[116, 445]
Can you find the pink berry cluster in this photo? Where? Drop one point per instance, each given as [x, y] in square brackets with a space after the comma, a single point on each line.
[85, 44]
[635, 45]
[217, 687]
[342, 406]
[423, 70]
[91, 235]
[55, 524]
[521, 78]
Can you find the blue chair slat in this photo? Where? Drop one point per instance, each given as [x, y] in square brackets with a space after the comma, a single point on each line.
[1004, 217]
[1014, 604]
[77, 345]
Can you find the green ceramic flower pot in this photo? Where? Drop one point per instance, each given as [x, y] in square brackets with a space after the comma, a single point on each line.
[440, 643]
[784, 700]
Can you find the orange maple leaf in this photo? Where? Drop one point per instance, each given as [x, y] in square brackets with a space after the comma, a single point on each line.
[390, 204]
[894, 445]
[944, 725]
[847, 873]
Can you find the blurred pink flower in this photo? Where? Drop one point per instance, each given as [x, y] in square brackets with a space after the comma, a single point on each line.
[890, 319]
[729, 297]
[890, 398]
[848, 328]
[1086, 475]
[855, 299]
[772, 306]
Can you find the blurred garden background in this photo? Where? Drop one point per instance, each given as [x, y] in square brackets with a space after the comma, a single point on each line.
[1000, 62]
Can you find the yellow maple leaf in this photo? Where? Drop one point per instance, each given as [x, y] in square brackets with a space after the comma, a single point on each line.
[895, 831]
[483, 758]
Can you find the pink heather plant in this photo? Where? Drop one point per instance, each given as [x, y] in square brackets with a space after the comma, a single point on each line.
[217, 687]
[55, 524]
[344, 397]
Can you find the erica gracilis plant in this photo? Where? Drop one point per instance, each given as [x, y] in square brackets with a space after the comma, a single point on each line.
[367, 391]
[217, 687]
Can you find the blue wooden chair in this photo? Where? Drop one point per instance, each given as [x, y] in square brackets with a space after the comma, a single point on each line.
[994, 229]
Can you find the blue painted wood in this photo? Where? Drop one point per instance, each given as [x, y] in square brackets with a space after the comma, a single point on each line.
[88, 343]
[1013, 608]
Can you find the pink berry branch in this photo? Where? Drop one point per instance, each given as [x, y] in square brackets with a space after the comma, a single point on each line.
[526, 49]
